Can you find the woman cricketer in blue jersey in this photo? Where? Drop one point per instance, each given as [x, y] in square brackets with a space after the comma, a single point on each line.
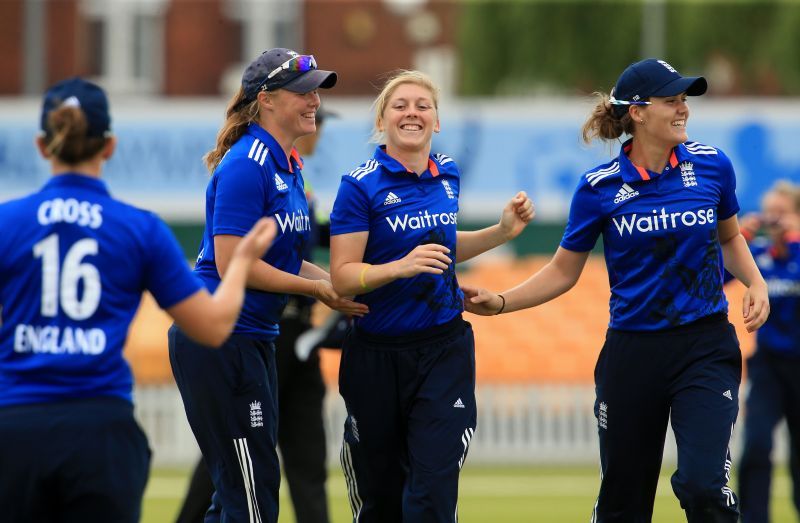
[666, 209]
[407, 372]
[73, 265]
[773, 370]
[230, 395]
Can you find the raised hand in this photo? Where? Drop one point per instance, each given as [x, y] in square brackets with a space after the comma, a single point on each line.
[518, 213]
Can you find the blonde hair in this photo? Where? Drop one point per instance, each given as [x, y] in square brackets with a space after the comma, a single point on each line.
[603, 123]
[66, 138]
[397, 79]
[788, 189]
[239, 114]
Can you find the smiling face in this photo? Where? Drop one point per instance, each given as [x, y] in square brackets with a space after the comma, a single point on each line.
[664, 120]
[289, 115]
[409, 119]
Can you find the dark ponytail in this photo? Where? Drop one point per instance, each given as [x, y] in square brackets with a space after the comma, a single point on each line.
[603, 123]
[66, 136]
[239, 114]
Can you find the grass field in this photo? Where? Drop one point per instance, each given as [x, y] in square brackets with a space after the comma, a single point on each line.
[487, 494]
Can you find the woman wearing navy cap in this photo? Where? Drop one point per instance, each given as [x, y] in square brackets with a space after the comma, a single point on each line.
[230, 395]
[407, 373]
[666, 209]
[73, 265]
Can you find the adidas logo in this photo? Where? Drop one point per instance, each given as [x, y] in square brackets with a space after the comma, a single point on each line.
[459, 404]
[728, 394]
[391, 198]
[280, 184]
[625, 192]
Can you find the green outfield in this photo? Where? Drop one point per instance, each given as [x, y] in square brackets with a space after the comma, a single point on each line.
[488, 494]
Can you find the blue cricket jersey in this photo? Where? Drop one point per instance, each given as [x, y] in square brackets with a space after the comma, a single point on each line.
[253, 180]
[659, 233]
[73, 265]
[402, 210]
[781, 332]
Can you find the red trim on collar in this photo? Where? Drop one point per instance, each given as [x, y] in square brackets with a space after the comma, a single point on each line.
[642, 171]
[296, 157]
[792, 237]
[433, 168]
[673, 160]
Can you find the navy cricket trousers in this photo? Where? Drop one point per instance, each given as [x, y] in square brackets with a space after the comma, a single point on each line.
[82, 460]
[774, 394]
[231, 402]
[410, 417]
[689, 374]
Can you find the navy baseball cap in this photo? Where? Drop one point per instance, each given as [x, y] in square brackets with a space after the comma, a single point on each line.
[88, 97]
[281, 68]
[652, 77]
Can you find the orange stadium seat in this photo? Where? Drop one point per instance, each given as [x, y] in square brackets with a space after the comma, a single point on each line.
[555, 342]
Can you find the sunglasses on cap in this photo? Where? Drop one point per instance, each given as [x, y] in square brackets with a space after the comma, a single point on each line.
[297, 64]
[614, 101]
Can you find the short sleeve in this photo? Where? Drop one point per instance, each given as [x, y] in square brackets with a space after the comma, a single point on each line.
[240, 198]
[167, 274]
[585, 223]
[728, 203]
[351, 209]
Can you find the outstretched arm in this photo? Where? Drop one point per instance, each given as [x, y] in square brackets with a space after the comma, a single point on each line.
[554, 279]
[312, 281]
[209, 319]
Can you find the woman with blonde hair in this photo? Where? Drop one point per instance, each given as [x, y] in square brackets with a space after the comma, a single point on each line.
[230, 395]
[407, 372]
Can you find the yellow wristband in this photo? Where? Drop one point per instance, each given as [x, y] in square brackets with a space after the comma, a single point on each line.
[361, 278]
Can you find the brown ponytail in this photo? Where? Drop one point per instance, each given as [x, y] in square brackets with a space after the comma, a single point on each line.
[603, 123]
[238, 116]
[66, 137]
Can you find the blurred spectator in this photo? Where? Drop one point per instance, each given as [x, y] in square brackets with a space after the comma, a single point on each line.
[774, 368]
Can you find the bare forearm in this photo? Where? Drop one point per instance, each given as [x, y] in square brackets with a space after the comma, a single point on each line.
[265, 277]
[472, 243]
[739, 261]
[353, 278]
[313, 272]
[548, 283]
[209, 319]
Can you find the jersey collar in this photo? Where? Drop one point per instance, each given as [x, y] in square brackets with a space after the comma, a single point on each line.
[393, 166]
[635, 173]
[78, 180]
[275, 150]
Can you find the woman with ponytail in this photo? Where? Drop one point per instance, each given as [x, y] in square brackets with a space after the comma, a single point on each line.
[230, 395]
[666, 209]
[73, 265]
